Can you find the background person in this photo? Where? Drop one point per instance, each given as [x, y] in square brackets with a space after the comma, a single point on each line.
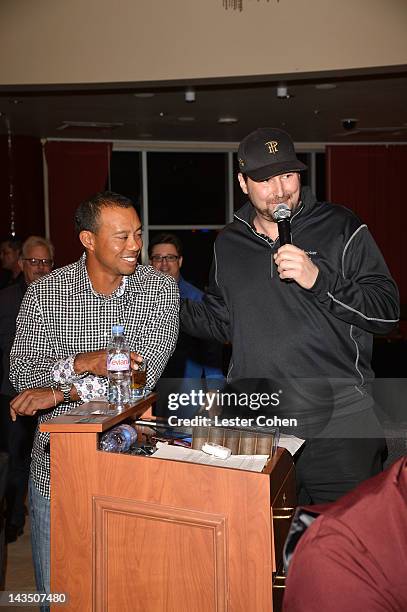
[36, 260]
[317, 327]
[351, 555]
[192, 358]
[64, 325]
[10, 252]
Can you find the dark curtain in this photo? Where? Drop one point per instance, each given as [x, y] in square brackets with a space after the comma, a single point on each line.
[370, 179]
[76, 171]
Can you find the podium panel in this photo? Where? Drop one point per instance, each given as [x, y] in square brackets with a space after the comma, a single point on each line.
[141, 548]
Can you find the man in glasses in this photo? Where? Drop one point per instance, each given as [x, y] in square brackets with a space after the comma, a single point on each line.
[36, 260]
[165, 253]
[193, 359]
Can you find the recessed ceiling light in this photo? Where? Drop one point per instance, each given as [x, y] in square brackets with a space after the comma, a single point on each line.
[186, 119]
[144, 94]
[190, 95]
[145, 135]
[227, 120]
[282, 91]
[325, 86]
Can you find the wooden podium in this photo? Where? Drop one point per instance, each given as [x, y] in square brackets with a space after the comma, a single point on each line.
[138, 534]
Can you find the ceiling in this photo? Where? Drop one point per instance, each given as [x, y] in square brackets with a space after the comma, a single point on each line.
[312, 112]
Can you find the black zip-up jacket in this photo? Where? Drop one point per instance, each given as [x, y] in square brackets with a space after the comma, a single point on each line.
[278, 329]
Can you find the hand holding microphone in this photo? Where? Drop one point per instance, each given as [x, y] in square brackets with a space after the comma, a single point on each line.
[281, 216]
[292, 263]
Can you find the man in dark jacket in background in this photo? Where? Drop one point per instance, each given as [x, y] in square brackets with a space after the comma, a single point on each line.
[16, 438]
[10, 253]
[302, 311]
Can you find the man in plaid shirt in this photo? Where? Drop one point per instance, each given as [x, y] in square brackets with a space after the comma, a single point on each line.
[59, 355]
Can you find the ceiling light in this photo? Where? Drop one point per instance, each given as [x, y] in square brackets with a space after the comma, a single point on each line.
[190, 94]
[186, 118]
[325, 86]
[282, 92]
[227, 120]
[144, 94]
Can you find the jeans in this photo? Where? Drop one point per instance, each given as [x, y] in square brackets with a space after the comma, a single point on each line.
[40, 539]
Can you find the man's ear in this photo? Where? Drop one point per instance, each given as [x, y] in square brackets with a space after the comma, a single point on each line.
[180, 260]
[20, 262]
[88, 239]
[242, 183]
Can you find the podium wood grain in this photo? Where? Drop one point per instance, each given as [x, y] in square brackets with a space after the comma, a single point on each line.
[132, 533]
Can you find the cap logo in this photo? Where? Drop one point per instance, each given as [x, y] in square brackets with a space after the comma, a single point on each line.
[272, 146]
[241, 162]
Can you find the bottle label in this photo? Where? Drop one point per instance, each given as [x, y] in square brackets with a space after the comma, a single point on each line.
[119, 439]
[119, 362]
[129, 433]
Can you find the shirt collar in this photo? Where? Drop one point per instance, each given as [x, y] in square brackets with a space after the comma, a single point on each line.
[82, 283]
[116, 293]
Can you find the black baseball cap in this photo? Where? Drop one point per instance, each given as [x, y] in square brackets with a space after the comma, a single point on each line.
[267, 152]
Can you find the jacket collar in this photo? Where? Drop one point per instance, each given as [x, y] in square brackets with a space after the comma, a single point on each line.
[247, 212]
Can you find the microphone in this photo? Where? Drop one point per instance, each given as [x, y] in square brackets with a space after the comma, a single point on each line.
[281, 216]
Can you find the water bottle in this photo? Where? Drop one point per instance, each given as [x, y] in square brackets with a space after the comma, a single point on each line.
[119, 439]
[118, 368]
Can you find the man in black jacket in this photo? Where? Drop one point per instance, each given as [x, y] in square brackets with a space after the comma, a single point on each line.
[16, 438]
[304, 311]
[10, 253]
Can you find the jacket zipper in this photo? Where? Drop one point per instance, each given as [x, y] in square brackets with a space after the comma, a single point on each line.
[301, 207]
[261, 238]
[229, 371]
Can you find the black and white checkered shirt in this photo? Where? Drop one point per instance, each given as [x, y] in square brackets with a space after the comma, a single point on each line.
[61, 315]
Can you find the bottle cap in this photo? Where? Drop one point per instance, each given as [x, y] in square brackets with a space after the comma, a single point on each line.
[117, 329]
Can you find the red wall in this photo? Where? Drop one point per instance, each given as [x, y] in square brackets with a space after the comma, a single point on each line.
[371, 180]
[76, 171]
